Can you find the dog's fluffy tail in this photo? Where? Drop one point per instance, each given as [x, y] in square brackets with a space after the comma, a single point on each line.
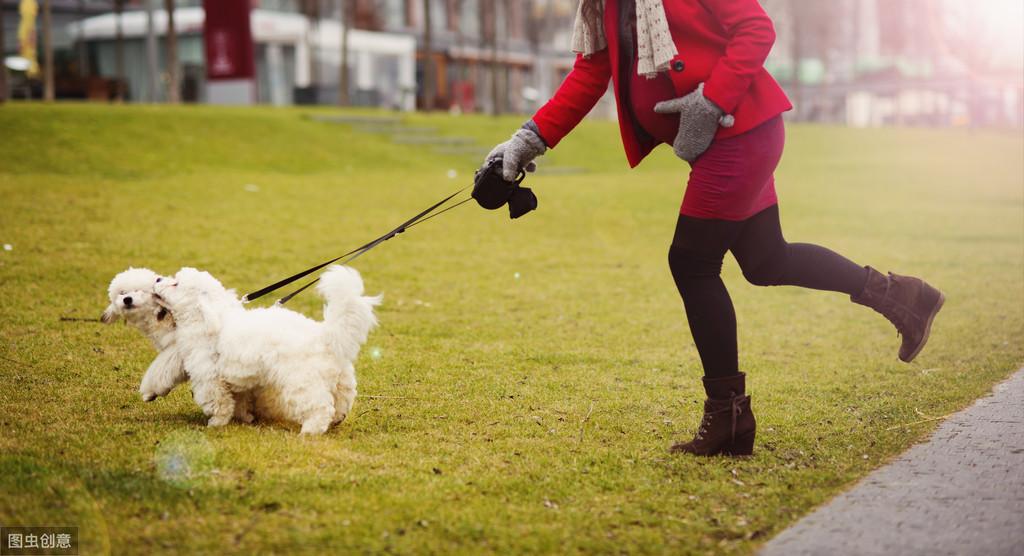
[348, 314]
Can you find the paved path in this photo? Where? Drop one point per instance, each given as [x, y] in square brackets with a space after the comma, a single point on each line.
[960, 493]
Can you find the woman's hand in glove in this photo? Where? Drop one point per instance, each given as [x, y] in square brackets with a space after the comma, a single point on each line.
[518, 153]
[699, 119]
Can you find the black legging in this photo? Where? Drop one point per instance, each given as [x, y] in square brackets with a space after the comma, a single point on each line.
[765, 258]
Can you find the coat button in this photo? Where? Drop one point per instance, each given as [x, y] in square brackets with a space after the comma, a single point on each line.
[678, 65]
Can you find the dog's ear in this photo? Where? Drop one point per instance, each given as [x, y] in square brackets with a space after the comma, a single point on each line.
[210, 314]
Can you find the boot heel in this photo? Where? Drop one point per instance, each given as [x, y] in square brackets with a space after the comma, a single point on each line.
[742, 446]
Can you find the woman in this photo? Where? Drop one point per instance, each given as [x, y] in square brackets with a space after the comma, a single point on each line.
[690, 73]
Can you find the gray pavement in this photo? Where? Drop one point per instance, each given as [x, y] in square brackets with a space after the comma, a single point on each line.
[959, 493]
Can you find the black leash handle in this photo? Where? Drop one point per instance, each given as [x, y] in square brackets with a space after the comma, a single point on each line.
[353, 254]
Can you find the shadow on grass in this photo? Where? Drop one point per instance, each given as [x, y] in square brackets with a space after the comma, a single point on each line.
[40, 492]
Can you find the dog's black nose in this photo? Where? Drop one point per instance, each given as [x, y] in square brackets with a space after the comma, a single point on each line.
[127, 302]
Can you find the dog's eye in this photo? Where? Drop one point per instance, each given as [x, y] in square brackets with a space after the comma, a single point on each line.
[158, 280]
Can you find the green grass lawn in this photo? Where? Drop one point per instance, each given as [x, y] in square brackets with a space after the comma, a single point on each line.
[527, 377]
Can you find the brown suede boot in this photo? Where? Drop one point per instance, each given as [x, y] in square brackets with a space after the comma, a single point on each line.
[909, 303]
[728, 425]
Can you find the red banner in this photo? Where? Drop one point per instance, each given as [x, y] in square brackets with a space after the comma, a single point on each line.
[228, 38]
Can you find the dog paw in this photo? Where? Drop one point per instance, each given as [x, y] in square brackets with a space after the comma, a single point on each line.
[218, 421]
[246, 417]
[309, 428]
[148, 397]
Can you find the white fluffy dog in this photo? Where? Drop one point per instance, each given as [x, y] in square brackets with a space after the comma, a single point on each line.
[131, 298]
[302, 369]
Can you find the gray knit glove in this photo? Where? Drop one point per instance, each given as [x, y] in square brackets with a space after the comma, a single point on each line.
[699, 119]
[518, 153]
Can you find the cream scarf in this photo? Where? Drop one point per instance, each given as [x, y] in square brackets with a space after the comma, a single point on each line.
[654, 41]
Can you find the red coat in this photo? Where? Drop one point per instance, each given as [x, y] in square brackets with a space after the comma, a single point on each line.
[722, 43]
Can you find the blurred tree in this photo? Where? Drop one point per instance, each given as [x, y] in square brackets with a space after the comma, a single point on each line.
[540, 16]
[963, 35]
[540, 29]
[80, 47]
[152, 63]
[966, 33]
[429, 86]
[3, 63]
[345, 16]
[462, 68]
[366, 14]
[455, 8]
[489, 41]
[813, 31]
[173, 89]
[119, 49]
[48, 90]
[311, 9]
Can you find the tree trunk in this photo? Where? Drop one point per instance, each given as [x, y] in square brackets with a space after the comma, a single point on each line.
[797, 25]
[48, 89]
[3, 64]
[345, 16]
[119, 49]
[173, 89]
[311, 9]
[429, 88]
[81, 48]
[152, 60]
[495, 66]
[488, 38]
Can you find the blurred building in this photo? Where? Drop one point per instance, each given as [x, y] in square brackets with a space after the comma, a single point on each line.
[70, 58]
[483, 55]
[64, 12]
[853, 62]
[897, 62]
[288, 49]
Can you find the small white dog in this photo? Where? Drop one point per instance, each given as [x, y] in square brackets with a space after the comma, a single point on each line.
[131, 298]
[302, 370]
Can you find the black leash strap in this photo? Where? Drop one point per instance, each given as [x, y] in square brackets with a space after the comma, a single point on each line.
[288, 297]
[353, 254]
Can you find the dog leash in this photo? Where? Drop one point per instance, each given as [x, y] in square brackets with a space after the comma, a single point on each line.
[352, 255]
[490, 190]
[288, 297]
